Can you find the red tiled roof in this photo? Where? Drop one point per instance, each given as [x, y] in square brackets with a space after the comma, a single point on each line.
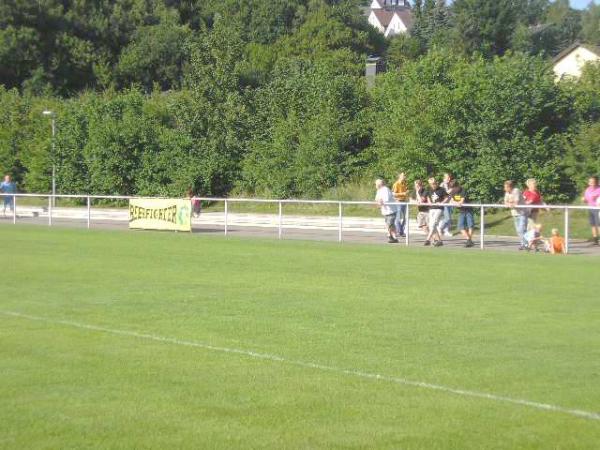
[406, 16]
[384, 16]
[592, 48]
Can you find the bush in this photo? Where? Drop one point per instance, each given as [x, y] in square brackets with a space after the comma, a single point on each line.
[308, 131]
[483, 121]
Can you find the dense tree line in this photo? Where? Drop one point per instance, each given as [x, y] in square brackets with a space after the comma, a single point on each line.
[269, 98]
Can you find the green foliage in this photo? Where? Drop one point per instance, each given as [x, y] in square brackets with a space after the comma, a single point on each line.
[156, 54]
[532, 12]
[536, 40]
[215, 114]
[566, 23]
[12, 121]
[431, 24]
[485, 26]
[403, 48]
[485, 122]
[586, 91]
[583, 157]
[590, 24]
[308, 131]
[326, 37]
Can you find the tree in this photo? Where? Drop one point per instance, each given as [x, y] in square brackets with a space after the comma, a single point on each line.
[583, 156]
[485, 121]
[156, 55]
[214, 112]
[430, 23]
[13, 113]
[532, 12]
[325, 36]
[566, 23]
[402, 48]
[308, 131]
[485, 27]
[590, 24]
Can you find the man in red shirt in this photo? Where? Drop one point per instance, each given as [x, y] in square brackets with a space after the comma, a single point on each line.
[532, 197]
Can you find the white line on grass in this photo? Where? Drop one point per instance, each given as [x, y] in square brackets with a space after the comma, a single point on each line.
[356, 373]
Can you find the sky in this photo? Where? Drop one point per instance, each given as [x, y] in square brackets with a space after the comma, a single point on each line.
[580, 4]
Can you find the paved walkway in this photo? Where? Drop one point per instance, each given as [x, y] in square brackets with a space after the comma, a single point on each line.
[323, 228]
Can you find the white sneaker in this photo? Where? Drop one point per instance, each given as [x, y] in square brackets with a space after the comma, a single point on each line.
[447, 233]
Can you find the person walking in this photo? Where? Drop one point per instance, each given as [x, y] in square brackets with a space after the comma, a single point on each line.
[383, 198]
[446, 221]
[512, 199]
[466, 221]
[437, 197]
[195, 203]
[8, 187]
[420, 197]
[400, 191]
[591, 196]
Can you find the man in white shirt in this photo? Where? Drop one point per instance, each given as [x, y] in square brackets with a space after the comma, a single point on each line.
[384, 195]
[513, 198]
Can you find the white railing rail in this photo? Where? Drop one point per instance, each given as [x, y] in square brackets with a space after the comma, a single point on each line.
[481, 207]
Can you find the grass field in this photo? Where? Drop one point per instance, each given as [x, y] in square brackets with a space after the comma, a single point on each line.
[151, 340]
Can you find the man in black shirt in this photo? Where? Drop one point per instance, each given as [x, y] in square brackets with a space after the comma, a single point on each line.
[437, 197]
[466, 222]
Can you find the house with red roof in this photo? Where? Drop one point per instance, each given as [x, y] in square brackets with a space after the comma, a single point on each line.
[390, 17]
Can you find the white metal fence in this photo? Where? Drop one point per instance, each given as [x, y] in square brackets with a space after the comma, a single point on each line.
[85, 211]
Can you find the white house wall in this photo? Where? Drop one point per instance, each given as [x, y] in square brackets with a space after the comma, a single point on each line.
[571, 65]
[395, 27]
[374, 21]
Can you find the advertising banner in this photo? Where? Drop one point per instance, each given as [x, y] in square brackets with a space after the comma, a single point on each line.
[160, 214]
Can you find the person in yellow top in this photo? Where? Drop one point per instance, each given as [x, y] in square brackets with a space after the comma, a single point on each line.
[400, 191]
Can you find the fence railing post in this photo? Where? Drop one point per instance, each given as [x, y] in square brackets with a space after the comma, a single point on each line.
[340, 222]
[407, 224]
[567, 229]
[14, 205]
[50, 211]
[279, 220]
[481, 227]
[89, 211]
[226, 214]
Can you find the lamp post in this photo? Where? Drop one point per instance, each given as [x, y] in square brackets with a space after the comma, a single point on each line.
[53, 118]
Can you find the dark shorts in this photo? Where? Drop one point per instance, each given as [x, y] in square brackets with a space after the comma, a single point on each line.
[466, 220]
[594, 217]
[390, 220]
